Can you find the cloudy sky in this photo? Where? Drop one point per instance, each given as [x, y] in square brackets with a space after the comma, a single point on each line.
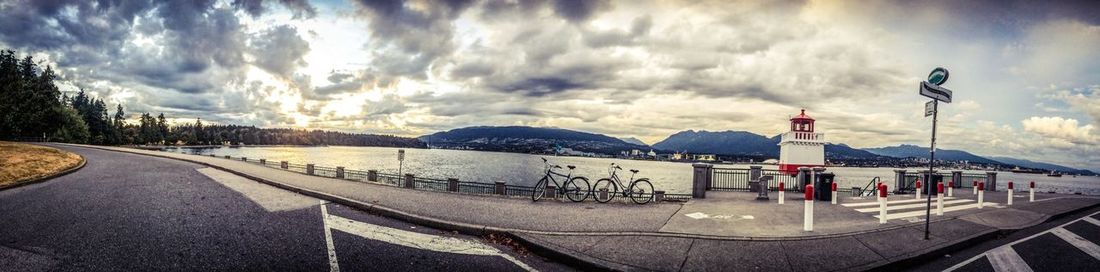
[1026, 74]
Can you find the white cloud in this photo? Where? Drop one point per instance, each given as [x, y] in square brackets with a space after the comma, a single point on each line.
[1061, 128]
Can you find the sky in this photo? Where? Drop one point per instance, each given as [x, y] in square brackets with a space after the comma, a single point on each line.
[1025, 74]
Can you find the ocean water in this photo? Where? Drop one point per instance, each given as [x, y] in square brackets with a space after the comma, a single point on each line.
[526, 169]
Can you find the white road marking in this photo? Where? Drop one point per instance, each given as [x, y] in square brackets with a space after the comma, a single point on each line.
[333, 264]
[1006, 259]
[875, 203]
[979, 256]
[269, 198]
[411, 239]
[1093, 221]
[697, 215]
[911, 206]
[891, 216]
[1078, 241]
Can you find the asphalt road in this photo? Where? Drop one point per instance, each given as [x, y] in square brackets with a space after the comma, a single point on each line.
[125, 212]
[1065, 244]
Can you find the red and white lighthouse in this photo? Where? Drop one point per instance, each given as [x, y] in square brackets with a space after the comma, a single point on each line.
[801, 147]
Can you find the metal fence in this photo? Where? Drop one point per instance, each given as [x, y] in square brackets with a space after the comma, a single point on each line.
[968, 179]
[729, 179]
[736, 179]
[790, 182]
[418, 183]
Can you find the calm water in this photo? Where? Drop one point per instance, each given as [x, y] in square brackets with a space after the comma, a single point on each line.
[525, 169]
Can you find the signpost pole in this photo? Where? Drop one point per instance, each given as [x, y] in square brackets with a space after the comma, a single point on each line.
[931, 165]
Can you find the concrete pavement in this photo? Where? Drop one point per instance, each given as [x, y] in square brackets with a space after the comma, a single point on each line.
[664, 237]
[126, 212]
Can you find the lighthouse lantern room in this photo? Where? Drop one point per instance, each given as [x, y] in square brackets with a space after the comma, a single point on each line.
[801, 147]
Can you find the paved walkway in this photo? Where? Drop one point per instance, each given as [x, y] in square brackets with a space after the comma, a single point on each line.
[726, 231]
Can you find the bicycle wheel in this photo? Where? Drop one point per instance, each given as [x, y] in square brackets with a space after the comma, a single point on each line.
[540, 190]
[612, 190]
[641, 191]
[577, 189]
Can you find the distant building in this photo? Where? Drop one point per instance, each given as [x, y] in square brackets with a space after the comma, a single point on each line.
[704, 157]
[635, 153]
[651, 154]
[801, 147]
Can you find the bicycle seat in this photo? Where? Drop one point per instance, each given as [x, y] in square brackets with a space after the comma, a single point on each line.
[634, 170]
[571, 167]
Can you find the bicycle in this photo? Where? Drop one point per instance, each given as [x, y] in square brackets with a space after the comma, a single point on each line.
[637, 191]
[574, 188]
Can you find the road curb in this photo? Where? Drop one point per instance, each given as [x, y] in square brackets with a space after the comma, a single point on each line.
[78, 166]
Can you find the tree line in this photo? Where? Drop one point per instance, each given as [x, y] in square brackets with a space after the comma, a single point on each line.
[32, 106]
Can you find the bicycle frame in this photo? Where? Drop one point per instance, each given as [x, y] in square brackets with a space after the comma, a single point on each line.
[550, 176]
[615, 177]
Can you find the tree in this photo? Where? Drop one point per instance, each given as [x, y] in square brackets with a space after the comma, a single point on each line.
[73, 129]
[162, 129]
[119, 127]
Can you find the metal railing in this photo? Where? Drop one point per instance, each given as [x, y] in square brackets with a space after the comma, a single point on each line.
[729, 179]
[418, 183]
[737, 179]
[790, 182]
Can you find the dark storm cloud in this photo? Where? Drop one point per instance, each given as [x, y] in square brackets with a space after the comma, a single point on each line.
[421, 36]
[580, 10]
[280, 50]
[255, 8]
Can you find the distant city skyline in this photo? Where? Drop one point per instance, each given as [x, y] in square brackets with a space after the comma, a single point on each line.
[1026, 74]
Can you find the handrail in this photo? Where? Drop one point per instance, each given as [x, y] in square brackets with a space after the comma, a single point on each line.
[863, 192]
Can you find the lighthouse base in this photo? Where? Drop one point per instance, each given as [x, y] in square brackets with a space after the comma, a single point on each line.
[792, 169]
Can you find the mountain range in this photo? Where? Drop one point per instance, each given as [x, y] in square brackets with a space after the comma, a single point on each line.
[527, 140]
[726, 143]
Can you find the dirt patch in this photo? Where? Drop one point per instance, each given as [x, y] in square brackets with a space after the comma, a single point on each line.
[22, 162]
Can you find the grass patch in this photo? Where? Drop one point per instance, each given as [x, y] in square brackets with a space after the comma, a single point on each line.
[22, 162]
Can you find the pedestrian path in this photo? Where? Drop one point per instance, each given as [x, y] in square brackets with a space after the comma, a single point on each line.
[1069, 247]
[906, 208]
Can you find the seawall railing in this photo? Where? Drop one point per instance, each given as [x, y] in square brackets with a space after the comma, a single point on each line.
[411, 181]
[707, 177]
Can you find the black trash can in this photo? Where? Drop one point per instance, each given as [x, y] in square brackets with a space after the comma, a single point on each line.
[823, 187]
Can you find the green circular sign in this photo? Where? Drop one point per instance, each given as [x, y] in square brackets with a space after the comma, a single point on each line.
[938, 76]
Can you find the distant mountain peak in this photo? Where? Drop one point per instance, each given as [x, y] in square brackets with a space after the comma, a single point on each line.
[632, 140]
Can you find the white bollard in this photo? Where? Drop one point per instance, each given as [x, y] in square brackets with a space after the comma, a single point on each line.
[781, 193]
[981, 194]
[1031, 192]
[975, 187]
[1010, 189]
[939, 198]
[918, 189]
[950, 188]
[834, 193]
[882, 204]
[808, 217]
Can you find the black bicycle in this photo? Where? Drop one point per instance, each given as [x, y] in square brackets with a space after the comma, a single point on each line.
[639, 190]
[574, 188]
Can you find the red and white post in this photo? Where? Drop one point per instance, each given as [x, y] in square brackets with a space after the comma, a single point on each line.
[950, 188]
[781, 193]
[1010, 189]
[917, 188]
[981, 194]
[876, 187]
[881, 203]
[975, 187]
[808, 217]
[1031, 192]
[939, 198]
[834, 193]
